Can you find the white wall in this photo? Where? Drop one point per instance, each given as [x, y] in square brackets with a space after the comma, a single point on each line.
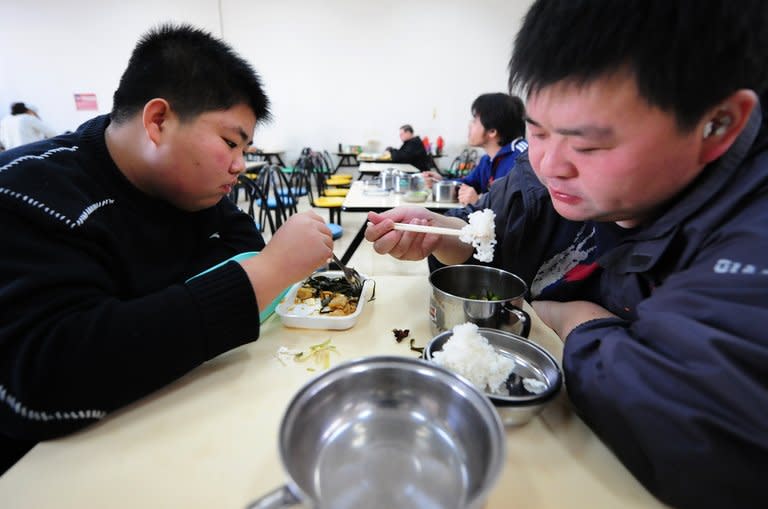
[50, 50]
[337, 71]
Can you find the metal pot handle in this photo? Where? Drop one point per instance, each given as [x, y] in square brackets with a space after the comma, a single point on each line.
[280, 497]
[522, 316]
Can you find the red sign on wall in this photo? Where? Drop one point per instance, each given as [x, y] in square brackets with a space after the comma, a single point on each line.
[86, 102]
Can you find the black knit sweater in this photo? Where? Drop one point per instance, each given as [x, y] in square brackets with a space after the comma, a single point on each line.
[95, 310]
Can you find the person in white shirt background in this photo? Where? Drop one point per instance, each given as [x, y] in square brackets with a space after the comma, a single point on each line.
[23, 126]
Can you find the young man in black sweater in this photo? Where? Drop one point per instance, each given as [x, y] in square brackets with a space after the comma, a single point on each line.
[104, 228]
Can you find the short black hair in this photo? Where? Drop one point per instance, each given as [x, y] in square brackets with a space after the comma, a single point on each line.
[503, 112]
[192, 70]
[685, 55]
[407, 128]
[18, 108]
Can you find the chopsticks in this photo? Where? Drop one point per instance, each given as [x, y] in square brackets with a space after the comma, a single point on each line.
[427, 229]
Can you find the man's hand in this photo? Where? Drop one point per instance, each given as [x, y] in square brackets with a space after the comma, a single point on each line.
[431, 176]
[563, 317]
[402, 245]
[302, 244]
[416, 246]
[468, 195]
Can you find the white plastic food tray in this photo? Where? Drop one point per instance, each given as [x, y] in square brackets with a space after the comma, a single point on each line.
[308, 317]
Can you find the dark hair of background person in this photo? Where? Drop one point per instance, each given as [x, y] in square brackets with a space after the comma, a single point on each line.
[503, 112]
[686, 55]
[192, 70]
[407, 128]
[18, 108]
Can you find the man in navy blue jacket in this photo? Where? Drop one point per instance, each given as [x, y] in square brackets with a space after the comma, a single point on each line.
[639, 218]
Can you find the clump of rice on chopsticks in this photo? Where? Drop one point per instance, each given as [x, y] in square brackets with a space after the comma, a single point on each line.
[481, 233]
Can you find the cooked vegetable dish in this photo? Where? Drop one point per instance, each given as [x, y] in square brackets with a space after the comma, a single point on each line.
[334, 296]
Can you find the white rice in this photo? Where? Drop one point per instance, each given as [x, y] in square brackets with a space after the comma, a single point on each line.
[481, 233]
[469, 354]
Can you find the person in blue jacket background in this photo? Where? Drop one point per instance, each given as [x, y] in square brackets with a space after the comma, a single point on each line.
[639, 219]
[498, 126]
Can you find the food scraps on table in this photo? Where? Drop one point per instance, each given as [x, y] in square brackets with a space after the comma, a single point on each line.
[320, 352]
[415, 348]
[401, 334]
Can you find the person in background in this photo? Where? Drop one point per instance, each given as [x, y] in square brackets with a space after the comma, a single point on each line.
[498, 126]
[108, 229]
[23, 126]
[639, 219]
[411, 152]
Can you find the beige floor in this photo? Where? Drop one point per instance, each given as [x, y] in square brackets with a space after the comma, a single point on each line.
[365, 259]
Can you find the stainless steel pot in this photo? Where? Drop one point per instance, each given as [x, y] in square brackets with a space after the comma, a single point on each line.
[383, 432]
[389, 179]
[446, 191]
[402, 181]
[485, 296]
[416, 183]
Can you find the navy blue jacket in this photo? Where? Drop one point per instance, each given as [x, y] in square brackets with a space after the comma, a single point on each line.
[489, 170]
[677, 386]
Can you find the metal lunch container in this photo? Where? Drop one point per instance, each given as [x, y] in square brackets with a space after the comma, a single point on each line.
[446, 191]
[460, 294]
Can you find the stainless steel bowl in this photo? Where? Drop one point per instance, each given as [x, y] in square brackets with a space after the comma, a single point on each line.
[383, 432]
[531, 361]
[459, 295]
[446, 191]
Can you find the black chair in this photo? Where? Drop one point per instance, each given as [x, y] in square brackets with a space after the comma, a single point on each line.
[257, 203]
[336, 185]
[278, 194]
[328, 162]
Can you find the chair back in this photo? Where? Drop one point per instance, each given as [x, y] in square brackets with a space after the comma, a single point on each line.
[257, 203]
[328, 161]
[277, 192]
[314, 173]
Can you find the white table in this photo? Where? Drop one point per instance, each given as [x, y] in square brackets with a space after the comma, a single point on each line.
[374, 168]
[210, 438]
[357, 200]
[270, 155]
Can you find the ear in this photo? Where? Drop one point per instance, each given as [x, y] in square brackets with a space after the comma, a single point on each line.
[156, 113]
[722, 125]
[492, 133]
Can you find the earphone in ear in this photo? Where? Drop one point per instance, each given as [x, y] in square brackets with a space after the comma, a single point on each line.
[717, 126]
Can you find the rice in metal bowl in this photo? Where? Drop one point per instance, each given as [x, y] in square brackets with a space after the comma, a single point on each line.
[470, 355]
